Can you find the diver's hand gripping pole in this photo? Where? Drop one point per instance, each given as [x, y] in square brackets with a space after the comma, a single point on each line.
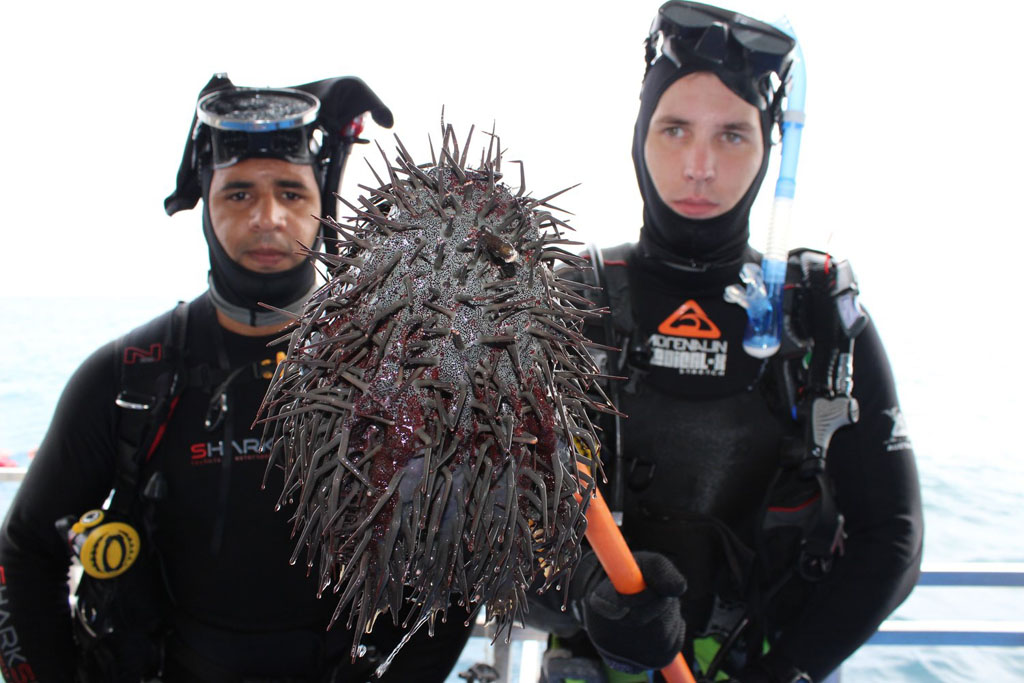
[611, 550]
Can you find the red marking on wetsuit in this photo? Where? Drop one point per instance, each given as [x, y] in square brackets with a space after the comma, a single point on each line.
[690, 320]
[354, 127]
[608, 263]
[810, 501]
[161, 429]
[133, 354]
[13, 666]
[19, 673]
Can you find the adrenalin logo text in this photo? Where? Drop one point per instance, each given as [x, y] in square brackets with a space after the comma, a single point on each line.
[690, 356]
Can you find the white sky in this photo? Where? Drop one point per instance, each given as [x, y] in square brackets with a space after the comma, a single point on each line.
[910, 141]
[910, 164]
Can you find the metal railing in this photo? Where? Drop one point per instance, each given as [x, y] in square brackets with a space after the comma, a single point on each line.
[12, 473]
[970, 632]
[914, 632]
[897, 631]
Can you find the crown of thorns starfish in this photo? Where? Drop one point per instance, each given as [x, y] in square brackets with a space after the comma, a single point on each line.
[432, 389]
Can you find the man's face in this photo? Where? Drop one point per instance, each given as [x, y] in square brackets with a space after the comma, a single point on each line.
[703, 146]
[260, 208]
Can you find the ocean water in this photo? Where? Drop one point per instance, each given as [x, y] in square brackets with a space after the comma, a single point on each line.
[962, 415]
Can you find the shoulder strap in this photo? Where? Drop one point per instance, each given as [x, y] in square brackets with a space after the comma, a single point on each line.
[823, 317]
[150, 363]
[822, 292]
[609, 271]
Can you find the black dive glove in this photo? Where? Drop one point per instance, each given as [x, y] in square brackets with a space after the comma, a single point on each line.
[638, 632]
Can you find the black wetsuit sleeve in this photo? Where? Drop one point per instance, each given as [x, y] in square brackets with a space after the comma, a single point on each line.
[872, 466]
[72, 472]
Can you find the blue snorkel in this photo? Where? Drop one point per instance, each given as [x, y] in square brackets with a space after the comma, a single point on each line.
[762, 297]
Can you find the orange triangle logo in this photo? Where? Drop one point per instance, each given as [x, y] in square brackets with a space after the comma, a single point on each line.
[690, 320]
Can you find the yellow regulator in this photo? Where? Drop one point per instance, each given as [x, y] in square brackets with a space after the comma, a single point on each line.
[106, 548]
[582, 448]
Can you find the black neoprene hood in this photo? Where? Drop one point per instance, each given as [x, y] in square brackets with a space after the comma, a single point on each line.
[315, 124]
[750, 57]
[669, 235]
[745, 54]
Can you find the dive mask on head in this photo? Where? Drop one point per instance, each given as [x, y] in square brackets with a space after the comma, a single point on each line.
[751, 57]
[260, 122]
[314, 123]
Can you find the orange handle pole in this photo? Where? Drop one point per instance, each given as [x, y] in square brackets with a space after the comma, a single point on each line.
[608, 544]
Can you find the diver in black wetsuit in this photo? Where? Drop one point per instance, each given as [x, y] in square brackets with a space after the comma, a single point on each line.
[237, 610]
[707, 492]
